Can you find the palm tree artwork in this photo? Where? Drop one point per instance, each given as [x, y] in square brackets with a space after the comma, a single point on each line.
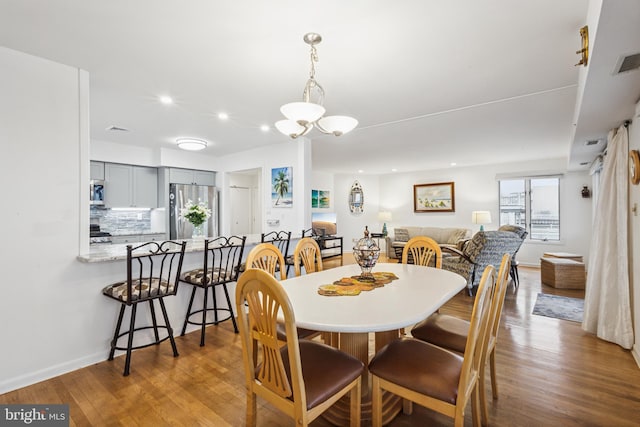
[282, 181]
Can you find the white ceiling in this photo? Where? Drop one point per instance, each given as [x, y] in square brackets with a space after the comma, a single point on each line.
[431, 82]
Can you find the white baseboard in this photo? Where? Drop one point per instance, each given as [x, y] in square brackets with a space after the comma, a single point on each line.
[635, 352]
[15, 383]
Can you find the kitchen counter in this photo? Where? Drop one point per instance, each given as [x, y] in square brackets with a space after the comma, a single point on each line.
[136, 233]
[116, 252]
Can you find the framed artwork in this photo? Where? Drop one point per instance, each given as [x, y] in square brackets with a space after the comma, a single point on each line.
[324, 199]
[439, 197]
[282, 187]
[314, 198]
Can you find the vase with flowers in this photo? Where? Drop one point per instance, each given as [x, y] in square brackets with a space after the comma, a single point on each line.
[196, 214]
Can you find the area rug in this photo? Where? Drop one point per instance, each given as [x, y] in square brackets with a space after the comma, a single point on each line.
[559, 307]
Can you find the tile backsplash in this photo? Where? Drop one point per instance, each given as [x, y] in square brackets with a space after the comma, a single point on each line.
[129, 221]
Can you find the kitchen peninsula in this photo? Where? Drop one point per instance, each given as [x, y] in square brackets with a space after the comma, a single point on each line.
[118, 252]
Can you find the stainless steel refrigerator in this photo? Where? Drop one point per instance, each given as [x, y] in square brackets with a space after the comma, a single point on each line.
[179, 195]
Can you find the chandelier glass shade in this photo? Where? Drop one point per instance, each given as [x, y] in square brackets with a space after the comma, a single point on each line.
[302, 117]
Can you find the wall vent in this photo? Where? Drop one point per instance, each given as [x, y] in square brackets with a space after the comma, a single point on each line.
[117, 129]
[592, 142]
[627, 63]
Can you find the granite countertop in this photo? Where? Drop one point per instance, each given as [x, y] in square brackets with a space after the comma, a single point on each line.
[135, 233]
[103, 253]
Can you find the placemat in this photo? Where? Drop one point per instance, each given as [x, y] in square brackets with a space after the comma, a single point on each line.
[351, 286]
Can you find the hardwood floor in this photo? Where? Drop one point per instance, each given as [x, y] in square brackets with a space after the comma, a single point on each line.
[550, 373]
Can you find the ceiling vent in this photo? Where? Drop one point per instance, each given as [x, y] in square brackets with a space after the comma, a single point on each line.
[627, 63]
[117, 129]
[592, 142]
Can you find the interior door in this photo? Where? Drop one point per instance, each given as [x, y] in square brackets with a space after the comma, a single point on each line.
[241, 210]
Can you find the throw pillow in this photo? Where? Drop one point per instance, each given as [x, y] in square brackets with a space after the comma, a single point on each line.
[456, 236]
[401, 234]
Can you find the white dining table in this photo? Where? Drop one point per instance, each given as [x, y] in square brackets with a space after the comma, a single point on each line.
[348, 320]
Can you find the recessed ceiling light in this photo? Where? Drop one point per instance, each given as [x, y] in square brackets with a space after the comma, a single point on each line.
[394, 170]
[166, 100]
[453, 163]
[360, 171]
[191, 144]
[223, 116]
[264, 128]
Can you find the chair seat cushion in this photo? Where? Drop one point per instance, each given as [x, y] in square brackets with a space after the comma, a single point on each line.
[443, 330]
[141, 289]
[419, 366]
[213, 275]
[325, 370]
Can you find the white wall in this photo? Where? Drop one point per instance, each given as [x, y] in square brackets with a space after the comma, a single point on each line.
[351, 225]
[296, 154]
[47, 308]
[476, 188]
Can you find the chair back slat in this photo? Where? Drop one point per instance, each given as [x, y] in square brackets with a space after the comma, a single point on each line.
[307, 254]
[223, 258]
[153, 270]
[478, 328]
[422, 250]
[267, 257]
[280, 239]
[265, 299]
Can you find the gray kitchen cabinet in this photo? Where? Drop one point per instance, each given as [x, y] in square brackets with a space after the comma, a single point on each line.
[96, 170]
[118, 190]
[145, 187]
[190, 176]
[130, 186]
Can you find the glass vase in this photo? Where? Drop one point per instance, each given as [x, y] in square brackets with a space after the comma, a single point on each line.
[198, 232]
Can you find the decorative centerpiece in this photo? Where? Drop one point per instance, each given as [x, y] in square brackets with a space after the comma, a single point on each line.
[366, 253]
[196, 215]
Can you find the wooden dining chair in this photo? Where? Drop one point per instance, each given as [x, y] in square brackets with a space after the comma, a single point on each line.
[432, 376]
[282, 240]
[421, 250]
[307, 254]
[300, 378]
[267, 257]
[451, 332]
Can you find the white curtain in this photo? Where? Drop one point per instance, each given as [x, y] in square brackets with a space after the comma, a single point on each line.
[607, 306]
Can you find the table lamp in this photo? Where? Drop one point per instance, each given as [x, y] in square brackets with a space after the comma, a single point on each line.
[384, 216]
[481, 217]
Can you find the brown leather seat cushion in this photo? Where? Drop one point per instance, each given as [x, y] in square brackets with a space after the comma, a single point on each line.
[325, 370]
[443, 330]
[419, 366]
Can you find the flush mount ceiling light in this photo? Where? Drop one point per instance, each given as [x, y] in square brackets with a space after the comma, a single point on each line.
[191, 144]
[303, 116]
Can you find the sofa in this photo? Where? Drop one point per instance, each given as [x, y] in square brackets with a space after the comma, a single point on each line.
[443, 236]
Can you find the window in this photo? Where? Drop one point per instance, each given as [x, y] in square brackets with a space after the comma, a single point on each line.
[532, 203]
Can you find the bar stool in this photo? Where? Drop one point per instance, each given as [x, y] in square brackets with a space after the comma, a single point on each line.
[222, 258]
[153, 270]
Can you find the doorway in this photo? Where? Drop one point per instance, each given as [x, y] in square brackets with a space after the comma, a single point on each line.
[245, 203]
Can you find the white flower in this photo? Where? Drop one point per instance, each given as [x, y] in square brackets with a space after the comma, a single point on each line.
[195, 214]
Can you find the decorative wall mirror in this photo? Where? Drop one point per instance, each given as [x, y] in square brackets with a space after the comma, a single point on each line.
[356, 198]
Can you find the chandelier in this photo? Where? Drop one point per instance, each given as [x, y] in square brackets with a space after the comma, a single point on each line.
[304, 116]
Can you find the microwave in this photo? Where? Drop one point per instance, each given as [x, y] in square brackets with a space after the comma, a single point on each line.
[96, 192]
